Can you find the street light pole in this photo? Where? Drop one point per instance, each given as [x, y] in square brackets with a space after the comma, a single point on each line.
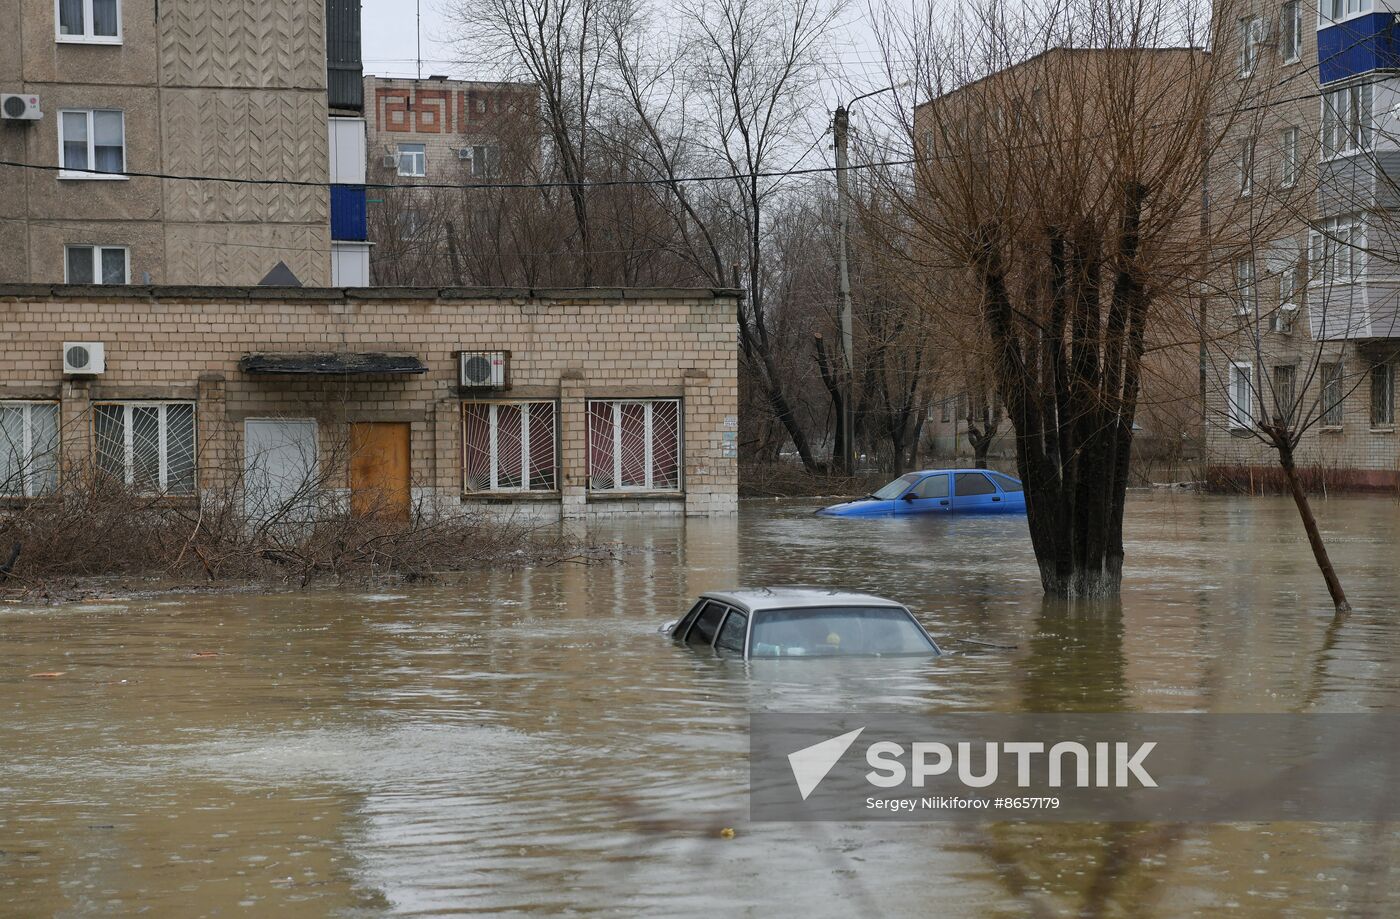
[840, 124]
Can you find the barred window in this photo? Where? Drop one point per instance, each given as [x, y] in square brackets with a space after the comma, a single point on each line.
[28, 448]
[148, 446]
[634, 445]
[1332, 395]
[1383, 394]
[509, 446]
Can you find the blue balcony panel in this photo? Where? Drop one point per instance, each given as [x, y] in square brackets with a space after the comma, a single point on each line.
[348, 213]
[1357, 46]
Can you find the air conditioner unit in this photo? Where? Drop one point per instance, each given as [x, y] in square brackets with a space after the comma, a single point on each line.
[84, 357]
[16, 107]
[464, 153]
[483, 369]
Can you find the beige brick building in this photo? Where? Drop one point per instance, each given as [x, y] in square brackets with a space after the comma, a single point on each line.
[611, 401]
[197, 88]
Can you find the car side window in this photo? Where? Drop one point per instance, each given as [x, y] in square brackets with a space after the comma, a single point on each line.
[703, 631]
[974, 483]
[683, 624]
[1008, 484]
[934, 486]
[731, 635]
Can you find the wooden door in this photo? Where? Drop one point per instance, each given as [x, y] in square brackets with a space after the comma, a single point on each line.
[379, 473]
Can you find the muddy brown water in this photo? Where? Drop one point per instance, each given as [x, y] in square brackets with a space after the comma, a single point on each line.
[524, 743]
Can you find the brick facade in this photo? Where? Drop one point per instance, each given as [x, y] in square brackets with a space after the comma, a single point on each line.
[567, 346]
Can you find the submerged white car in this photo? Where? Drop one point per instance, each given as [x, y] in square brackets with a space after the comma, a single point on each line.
[784, 622]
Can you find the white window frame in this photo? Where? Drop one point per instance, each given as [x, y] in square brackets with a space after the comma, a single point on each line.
[524, 487]
[1388, 372]
[648, 440]
[87, 37]
[27, 487]
[1287, 297]
[1245, 282]
[1325, 251]
[1331, 12]
[1241, 417]
[90, 173]
[1348, 124]
[1291, 160]
[1246, 164]
[1291, 31]
[162, 444]
[418, 157]
[96, 251]
[1251, 40]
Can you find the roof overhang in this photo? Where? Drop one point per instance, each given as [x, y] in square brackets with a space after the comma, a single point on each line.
[337, 364]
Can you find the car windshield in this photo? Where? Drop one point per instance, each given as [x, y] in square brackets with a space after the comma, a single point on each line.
[896, 488]
[827, 631]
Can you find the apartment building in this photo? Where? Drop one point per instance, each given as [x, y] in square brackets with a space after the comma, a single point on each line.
[1303, 201]
[105, 96]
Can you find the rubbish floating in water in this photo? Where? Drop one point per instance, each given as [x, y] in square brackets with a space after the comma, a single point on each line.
[47, 675]
[204, 654]
[727, 833]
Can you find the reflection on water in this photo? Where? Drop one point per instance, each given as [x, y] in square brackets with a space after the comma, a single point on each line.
[525, 742]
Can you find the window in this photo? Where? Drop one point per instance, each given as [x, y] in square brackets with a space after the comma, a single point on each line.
[1346, 120]
[1338, 251]
[1329, 11]
[934, 486]
[1007, 483]
[1285, 392]
[509, 446]
[974, 483]
[410, 224]
[1251, 38]
[96, 21]
[485, 161]
[1246, 167]
[731, 635]
[1332, 395]
[947, 410]
[413, 160]
[1281, 320]
[148, 446]
[634, 445]
[92, 144]
[1383, 395]
[1241, 396]
[703, 631]
[1288, 148]
[1244, 286]
[1290, 30]
[96, 265]
[28, 448]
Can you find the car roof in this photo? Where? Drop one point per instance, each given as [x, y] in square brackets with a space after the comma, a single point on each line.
[755, 599]
[932, 471]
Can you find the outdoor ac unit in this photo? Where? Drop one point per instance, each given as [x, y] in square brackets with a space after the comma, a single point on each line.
[83, 357]
[464, 153]
[391, 161]
[483, 369]
[14, 107]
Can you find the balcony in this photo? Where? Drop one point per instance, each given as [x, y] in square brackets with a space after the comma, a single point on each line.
[1356, 46]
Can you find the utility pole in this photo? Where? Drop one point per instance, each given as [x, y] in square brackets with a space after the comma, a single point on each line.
[839, 125]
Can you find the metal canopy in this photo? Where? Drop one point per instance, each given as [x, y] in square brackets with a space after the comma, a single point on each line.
[337, 364]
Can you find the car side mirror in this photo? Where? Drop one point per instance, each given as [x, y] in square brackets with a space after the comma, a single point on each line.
[909, 496]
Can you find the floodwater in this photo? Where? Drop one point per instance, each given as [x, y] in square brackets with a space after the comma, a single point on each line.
[524, 743]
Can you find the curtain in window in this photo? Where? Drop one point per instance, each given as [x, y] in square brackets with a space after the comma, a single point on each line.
[43, 449]
[107, 142]
[632, 445]
[600, 445]
[1332, 394]
[79, 264]
[70, 17]
[104, 18]
[75, 140]
[109, 429]
[509, 447]
[665, 445]
[113, 266]
[12, 457]
[145, 448]
[179, 449]
[477, 459]
[542, 445]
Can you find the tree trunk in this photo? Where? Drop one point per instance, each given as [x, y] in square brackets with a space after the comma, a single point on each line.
[830, 380]
[1284, 445]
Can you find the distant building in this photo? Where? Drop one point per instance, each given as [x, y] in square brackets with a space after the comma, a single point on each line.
[123, 88]
[1309, 314]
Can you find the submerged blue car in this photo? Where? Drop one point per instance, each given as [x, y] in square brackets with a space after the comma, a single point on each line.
[939, 491]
